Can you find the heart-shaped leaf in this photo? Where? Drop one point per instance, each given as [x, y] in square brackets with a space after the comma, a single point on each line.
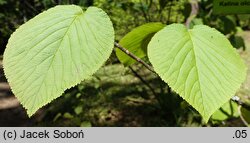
[199, 64]
[54, 51]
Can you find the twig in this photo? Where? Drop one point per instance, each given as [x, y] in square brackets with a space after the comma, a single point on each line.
[134, 57]
[140, 61]
[194, 12]
[143, 81]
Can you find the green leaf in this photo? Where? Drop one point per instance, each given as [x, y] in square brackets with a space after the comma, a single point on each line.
[227, 111]
[54, 51]
[136, 41]
[199, 64]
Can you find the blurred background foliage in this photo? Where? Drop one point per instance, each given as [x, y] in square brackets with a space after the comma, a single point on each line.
[129, 96]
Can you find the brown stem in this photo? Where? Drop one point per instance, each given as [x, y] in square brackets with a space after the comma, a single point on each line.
[143, 81]
[194, 12]
[134, 57]
[139, 60]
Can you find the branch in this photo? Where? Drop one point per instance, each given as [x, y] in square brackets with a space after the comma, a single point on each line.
[140, 61]
[194, 12]
[143, 81]
[134, 57]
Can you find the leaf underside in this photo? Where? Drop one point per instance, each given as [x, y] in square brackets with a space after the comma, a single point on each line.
[54, 51]
[136, 41]
[199, 64]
